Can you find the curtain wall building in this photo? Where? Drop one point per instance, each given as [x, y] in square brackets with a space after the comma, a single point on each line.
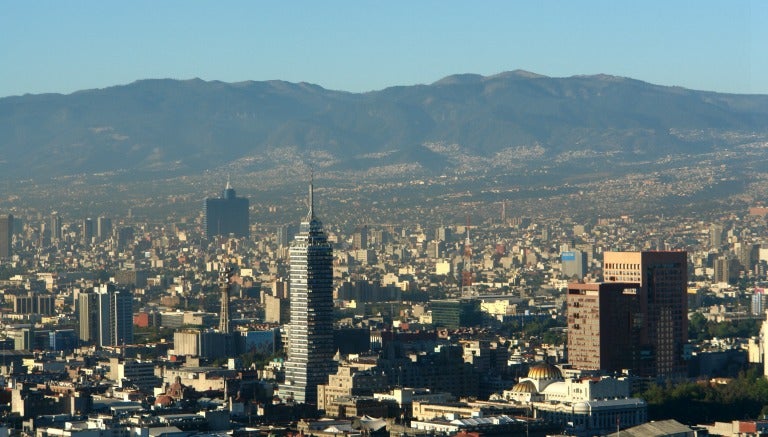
[115, 310]
[661, 314]
[310, 332]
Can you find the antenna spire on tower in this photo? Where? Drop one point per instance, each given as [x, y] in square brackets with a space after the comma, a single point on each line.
[311, 214]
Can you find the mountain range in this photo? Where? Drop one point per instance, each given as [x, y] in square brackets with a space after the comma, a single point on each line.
[508, 119]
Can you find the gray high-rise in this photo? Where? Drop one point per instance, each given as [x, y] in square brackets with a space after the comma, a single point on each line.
[55, 227]
[115, 315]
[310, 333]
[6, 235]
[103, 228]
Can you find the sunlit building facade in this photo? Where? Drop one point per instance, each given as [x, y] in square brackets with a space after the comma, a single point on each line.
[310, 332]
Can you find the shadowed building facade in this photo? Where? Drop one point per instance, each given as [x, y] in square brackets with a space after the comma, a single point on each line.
[227, 215]
[662, 307]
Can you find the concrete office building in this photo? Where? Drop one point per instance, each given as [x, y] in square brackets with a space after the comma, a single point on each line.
[573, 264]
[88, 316]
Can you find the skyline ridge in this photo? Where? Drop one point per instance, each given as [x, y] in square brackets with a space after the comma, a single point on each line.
[520, 73]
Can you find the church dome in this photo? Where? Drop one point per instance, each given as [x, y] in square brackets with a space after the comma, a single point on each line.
[544, 371]
[164, 401]
[524, 387]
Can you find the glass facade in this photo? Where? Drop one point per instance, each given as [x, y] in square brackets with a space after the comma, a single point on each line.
[310, 333]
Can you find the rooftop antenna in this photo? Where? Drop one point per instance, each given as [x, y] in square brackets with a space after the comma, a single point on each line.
[311, 214]
[229, 185]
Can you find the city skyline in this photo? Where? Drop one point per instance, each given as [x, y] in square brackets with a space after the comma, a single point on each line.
[355, 46]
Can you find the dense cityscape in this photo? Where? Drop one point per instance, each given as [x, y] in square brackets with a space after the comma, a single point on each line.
[383, 219]
[516, 325]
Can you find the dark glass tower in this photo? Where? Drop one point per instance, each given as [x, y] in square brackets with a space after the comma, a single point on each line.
[227, 215]
[661, 313]
[310, 333]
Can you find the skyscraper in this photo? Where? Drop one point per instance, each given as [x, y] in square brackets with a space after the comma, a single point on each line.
[6, 235]
[55, 227]
[88, 316]
[87, 234]
[603, 332]
[285, 234]
[716, 235]
[115, 315]
[662, 310]
[360, 238]
[124, 237]
[103, 228]
[310, 332]
[227, 215]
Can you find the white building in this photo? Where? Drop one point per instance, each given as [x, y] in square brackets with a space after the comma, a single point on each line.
[587, 405]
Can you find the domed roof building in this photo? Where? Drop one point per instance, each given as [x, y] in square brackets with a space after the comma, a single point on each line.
[545, 371]
[543, 374]
[164, 401]
[524, 391]
[588, 402]
[524, 387]
[173, 393]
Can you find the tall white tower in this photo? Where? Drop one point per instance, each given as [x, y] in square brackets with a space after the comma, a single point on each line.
[310, 333]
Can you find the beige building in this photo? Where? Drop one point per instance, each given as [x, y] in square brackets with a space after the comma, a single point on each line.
[277, 309]
[132, 372]
[358, 406]
[200, 319]
[349, 380]
[186, 342]
[428, 410]
[199, 378]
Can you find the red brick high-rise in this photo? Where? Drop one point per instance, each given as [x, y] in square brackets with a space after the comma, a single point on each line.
[602, 331]
[654, 320]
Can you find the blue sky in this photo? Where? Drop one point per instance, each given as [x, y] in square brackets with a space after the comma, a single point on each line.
[64, 46]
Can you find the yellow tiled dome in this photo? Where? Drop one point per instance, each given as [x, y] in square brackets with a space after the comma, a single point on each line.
[544, 371]
[524, 387]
